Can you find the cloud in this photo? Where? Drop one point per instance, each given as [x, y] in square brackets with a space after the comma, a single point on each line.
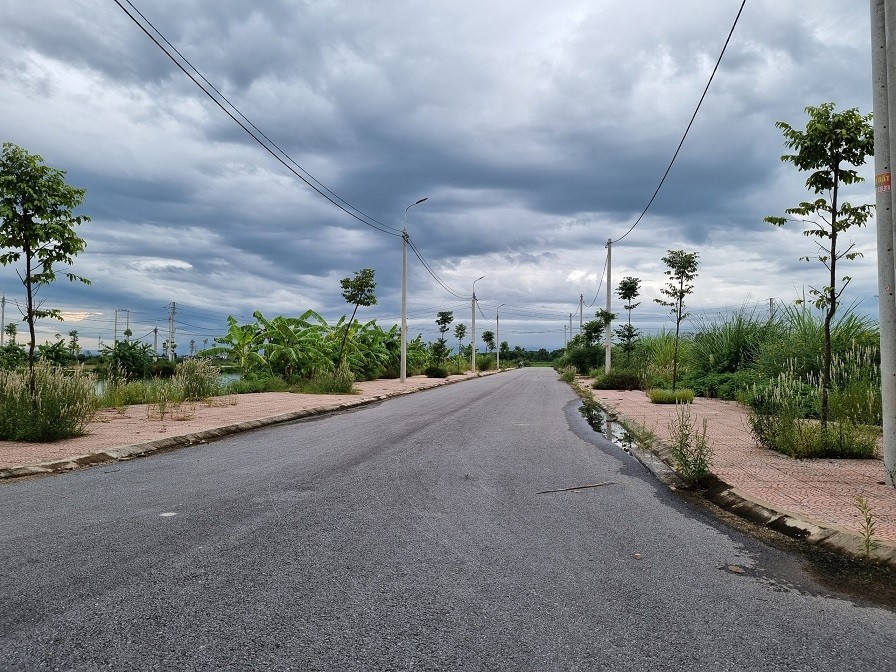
[538, 132]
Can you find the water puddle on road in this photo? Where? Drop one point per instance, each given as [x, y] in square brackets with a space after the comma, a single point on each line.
[606, 425]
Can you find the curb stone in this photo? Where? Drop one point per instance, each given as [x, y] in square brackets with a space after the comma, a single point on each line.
[742, 505]
[131, 451]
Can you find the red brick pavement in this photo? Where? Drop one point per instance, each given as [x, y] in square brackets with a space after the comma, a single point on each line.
[822, 491]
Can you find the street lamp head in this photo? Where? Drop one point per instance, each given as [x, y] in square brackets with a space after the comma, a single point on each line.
[474, 284]
[425, 198]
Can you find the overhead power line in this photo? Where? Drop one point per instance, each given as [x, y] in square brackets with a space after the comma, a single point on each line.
[433, 273]
[687, 130]
[251, 129]
[601, 283]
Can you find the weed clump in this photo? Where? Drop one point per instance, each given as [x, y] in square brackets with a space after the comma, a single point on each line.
[690, 449]
[61, 407]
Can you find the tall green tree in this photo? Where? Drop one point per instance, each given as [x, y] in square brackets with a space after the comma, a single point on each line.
[460, 333]
[358, 291]
[488, 337]
[681, 274]
[37, 228]
[440, 351]
[830, 149]
[73, 346]
[628, 290]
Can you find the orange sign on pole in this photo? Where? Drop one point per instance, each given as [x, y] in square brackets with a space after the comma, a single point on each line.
[883, 182]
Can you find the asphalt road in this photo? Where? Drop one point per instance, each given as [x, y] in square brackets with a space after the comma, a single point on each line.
[409, 535]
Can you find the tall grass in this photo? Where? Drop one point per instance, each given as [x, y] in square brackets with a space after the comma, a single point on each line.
[197, 379]
[723, 353]
[784, 410]
[62, 405]
[655, 356]
[193, 380]
[800, 344]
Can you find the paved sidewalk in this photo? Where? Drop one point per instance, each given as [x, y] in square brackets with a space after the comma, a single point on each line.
[814, 499]
[117, 434]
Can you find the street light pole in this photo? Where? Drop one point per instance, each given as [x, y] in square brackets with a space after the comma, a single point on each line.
[404, 292]
[498, 336]
[473, 343]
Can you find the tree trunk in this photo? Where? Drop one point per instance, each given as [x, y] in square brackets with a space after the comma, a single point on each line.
[344, 337]
[29, 304]
[832, 309]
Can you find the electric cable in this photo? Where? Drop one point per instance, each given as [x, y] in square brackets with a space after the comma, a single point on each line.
[687, 130]
[600, 284]
[433, 273]
[310, 180]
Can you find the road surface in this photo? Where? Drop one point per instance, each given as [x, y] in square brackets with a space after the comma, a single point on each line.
[416, 534]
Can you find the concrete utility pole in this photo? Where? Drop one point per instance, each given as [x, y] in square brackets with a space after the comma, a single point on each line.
[883, 71]
[2, 319]
[171, 330]
[473, 341]
[115, 329]
[404, 291]
[581, 311]
[609, 345]
[498, 337]
[155, 342]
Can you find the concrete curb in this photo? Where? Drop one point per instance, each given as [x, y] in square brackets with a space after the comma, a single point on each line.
[131, 451]
[741, 504]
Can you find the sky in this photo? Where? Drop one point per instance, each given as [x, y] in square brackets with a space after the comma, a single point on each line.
[536, 131]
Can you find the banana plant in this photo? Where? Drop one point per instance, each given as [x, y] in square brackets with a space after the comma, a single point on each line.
[240, 345]
[294, 347]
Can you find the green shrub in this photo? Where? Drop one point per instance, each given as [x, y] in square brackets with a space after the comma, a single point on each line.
[327, 383]
[568, 374]
[256, 383]
[61, 408]
[458, 365]
[130, 360]
[725, 385]
[800, 344]
[616, 380]
[485, 362]
[163, 368]
[436, 371]
[732, 344]
[664, 396]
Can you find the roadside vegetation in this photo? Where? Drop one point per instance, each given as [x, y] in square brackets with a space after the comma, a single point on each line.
[775, 366]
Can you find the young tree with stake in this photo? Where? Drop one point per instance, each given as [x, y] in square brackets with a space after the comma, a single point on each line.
[832, 142]
[628, 290]
[440, 351]
[682, 272]
[460, 332]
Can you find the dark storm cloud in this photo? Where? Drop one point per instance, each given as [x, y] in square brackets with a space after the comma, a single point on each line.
[537, 132]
